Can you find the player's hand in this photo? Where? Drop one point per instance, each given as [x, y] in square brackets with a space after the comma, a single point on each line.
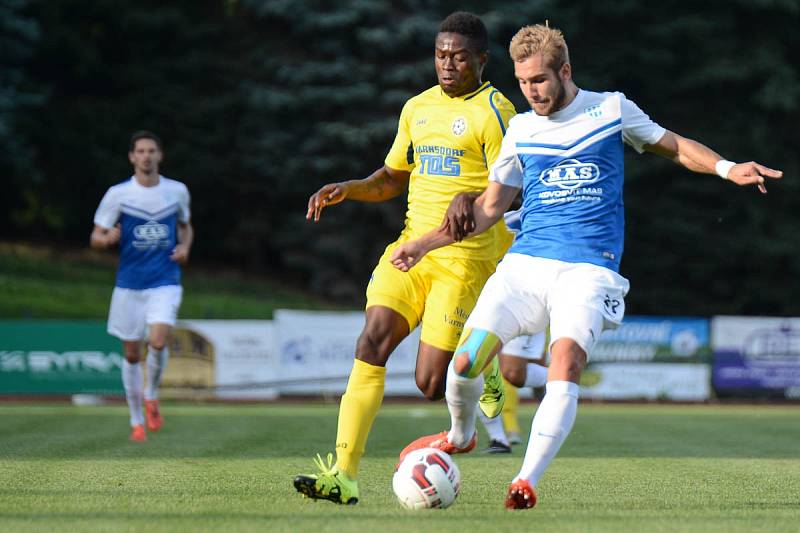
[329, 194]
[459, 220]
[112, 236]
[408, 254]
[753, 173]
[180, 254]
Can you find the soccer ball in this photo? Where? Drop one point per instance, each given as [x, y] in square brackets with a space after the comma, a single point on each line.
[427, 479]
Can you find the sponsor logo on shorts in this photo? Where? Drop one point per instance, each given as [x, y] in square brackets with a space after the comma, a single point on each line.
[457, 318]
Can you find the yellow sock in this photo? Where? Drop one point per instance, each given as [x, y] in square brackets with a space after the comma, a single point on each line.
[510, 422]
[357, 411]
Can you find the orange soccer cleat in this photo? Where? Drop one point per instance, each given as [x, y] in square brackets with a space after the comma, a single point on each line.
[154, 419]
[520, 495]
[138, 434]
[440, 442]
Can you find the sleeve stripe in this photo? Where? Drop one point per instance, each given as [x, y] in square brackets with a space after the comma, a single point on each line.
[497, 111]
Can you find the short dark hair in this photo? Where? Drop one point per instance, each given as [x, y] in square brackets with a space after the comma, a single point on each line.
[144, 134]
[470, 26]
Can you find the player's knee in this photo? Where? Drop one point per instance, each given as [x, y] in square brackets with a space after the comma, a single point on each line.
[157, 344]
[432, 387]
[132, 354]
[568, 358]
[474, 352]
[372, 348]
[515, 376]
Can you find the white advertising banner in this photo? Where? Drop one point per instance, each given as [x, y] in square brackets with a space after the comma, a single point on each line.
[235, 358]
[687, 382]
[316, 351]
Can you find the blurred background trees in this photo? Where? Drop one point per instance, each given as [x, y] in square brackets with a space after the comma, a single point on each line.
[261, 102]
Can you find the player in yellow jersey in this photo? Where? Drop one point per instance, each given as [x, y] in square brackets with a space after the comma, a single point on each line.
[447, 138]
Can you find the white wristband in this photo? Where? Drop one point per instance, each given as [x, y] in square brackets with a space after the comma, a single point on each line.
[723, 168]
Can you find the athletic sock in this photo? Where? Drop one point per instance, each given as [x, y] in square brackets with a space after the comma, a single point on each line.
[156, 363]
[510, 408]
[462, 396]
[535, 375]
[357, 411]
[132, 381]
[494, 427]
[551, 425]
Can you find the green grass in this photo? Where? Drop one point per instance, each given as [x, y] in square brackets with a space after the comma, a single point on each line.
[623, 468]
[47, 283]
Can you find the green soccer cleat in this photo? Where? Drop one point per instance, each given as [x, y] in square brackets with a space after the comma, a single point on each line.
[329, 484]
[494, 396]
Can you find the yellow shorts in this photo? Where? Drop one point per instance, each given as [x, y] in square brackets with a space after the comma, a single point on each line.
[439, 292]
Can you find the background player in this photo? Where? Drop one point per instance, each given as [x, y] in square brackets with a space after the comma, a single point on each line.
[567, 157]
[148, 215]
[447, 137]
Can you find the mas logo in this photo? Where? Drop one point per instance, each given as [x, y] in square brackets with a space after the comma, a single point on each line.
[151, 235]
[459, 126]
[570, 174]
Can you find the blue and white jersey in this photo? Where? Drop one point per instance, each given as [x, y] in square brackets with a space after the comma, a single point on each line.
[148, 217]
[570, 168]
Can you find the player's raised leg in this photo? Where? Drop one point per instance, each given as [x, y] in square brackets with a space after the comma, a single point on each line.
[383, 331]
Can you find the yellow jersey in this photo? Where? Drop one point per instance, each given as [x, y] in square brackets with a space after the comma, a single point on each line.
[448, 144]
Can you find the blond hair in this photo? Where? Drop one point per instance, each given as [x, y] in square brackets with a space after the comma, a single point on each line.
[540, 39]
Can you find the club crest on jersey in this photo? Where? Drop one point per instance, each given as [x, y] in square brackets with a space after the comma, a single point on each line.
[570, 174]
[459, 126]
[151, 235]
[594, 111]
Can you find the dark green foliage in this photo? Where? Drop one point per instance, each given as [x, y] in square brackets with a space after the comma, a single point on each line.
[261, 102]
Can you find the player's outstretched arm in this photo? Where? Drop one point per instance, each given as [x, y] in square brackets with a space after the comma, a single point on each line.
[700, 158]
[383, 184]
[102, 238]
[487, 209]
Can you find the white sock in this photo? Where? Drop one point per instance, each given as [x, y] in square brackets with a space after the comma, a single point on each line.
[156, 363]
[535, 376]
[462, 396]
[132, 381]
[494, 427]
[551, 425]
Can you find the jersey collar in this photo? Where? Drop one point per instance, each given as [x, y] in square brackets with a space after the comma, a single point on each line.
[483, 86]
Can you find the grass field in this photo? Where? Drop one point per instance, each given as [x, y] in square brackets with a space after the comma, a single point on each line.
[40, 282]
[223, 467]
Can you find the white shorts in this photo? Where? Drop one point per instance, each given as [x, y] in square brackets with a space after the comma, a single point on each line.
[525, 294]
[526, 346]
[133, 310]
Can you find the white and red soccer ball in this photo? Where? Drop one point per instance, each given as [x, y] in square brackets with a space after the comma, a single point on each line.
[427, 479]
